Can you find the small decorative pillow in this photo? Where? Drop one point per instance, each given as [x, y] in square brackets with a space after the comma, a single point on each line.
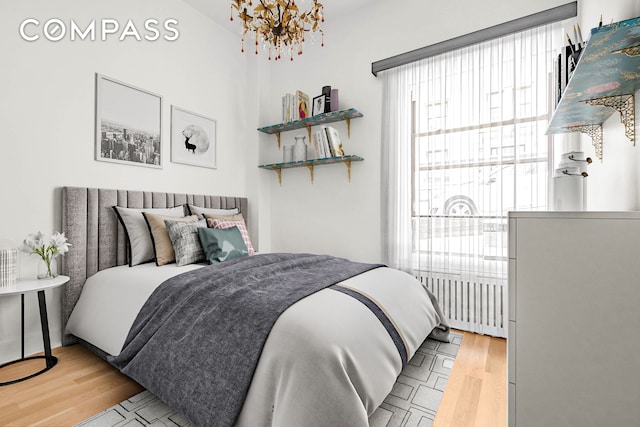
[138, 236]
[185, 241]
[221, 245]
[222, 224]
[236, 217]
[162, 247]
[197, 210]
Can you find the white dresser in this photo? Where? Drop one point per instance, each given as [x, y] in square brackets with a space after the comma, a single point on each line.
[574, 319]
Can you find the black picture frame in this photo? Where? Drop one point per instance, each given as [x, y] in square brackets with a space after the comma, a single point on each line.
[318, 105]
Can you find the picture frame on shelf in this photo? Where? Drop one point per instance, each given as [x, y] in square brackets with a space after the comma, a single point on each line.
[193, 138]
[318, 105]
[128, 124]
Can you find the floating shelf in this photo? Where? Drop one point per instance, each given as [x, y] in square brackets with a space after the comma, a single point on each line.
[319, 119]
[311, 163]
[605, 80]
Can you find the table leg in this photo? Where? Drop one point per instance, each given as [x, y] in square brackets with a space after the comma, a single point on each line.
[44, 322]
[22, 322]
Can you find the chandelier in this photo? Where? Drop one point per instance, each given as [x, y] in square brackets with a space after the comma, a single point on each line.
[278, 24]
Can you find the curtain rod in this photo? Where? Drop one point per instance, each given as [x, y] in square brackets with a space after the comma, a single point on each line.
[555, 14]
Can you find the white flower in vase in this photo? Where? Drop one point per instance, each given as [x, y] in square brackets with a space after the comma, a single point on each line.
[47, 248]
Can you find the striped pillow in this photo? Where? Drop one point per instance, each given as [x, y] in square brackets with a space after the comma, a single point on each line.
[223, 224]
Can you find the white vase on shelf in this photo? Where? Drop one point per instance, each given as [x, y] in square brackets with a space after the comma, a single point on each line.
[300, 149]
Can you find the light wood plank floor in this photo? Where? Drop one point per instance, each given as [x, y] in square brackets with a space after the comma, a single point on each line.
[82, 385]
[476, 393]
[79, 386]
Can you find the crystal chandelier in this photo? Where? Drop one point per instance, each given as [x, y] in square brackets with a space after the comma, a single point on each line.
[278, 24]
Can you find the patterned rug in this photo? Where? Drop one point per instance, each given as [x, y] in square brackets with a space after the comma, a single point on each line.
[413, 401]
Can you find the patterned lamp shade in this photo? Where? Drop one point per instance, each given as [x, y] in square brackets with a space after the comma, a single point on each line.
[8, 266]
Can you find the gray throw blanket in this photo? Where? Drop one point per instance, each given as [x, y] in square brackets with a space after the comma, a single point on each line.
[197, 340]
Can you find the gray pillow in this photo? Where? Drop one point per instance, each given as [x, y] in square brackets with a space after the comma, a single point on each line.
[162, 246]
[138, 236]
[185, 241]
[196, 210]
[221, 245]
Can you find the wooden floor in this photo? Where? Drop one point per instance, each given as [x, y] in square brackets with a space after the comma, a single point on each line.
[81, 385]
[78, 387]
[476, 393]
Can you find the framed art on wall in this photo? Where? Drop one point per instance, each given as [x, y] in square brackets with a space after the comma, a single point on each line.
[128, 124]
[193, 138]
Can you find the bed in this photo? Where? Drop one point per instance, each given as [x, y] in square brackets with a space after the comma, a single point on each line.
[329, 358]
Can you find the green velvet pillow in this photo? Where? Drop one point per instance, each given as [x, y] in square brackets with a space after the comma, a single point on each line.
[221, 245]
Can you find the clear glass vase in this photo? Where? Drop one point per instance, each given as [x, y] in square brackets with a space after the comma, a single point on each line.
[47, 270]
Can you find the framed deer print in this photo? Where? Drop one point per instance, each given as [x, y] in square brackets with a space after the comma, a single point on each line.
[193, 138]
[128, 124]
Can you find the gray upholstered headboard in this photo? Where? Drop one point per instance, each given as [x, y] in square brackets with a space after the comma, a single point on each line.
[98, 239]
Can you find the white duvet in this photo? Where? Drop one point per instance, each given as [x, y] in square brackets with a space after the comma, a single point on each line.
[328, 360]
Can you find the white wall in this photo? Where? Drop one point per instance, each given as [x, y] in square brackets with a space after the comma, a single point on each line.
[613, 184]
[47, 121]
[332, 215]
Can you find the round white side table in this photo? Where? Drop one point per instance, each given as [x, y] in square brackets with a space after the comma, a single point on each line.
[22, 287]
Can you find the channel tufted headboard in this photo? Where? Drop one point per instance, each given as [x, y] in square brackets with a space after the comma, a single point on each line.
[98, 239]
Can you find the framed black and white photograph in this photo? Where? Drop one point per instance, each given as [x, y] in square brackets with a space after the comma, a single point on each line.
[193, 138]
[318, 105]
[128, 124]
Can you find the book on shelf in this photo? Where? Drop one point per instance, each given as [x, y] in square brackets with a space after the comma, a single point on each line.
[292, 107]
[564, 67]
[323, 144]
[327, 142]
[288, 108]
[284, 108]
[334, 140]
[303, 105]
[562, 72]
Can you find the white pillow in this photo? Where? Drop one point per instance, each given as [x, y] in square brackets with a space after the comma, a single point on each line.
[196, 210]
[138, 235]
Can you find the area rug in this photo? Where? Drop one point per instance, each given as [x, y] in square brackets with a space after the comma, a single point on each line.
[413, 401]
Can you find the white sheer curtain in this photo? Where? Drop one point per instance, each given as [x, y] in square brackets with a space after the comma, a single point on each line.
[397, 213]
[464, 143]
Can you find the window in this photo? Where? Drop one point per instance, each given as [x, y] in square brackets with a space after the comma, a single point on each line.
[466, 134]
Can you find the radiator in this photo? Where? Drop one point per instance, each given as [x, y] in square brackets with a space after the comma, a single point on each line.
[471, 305]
